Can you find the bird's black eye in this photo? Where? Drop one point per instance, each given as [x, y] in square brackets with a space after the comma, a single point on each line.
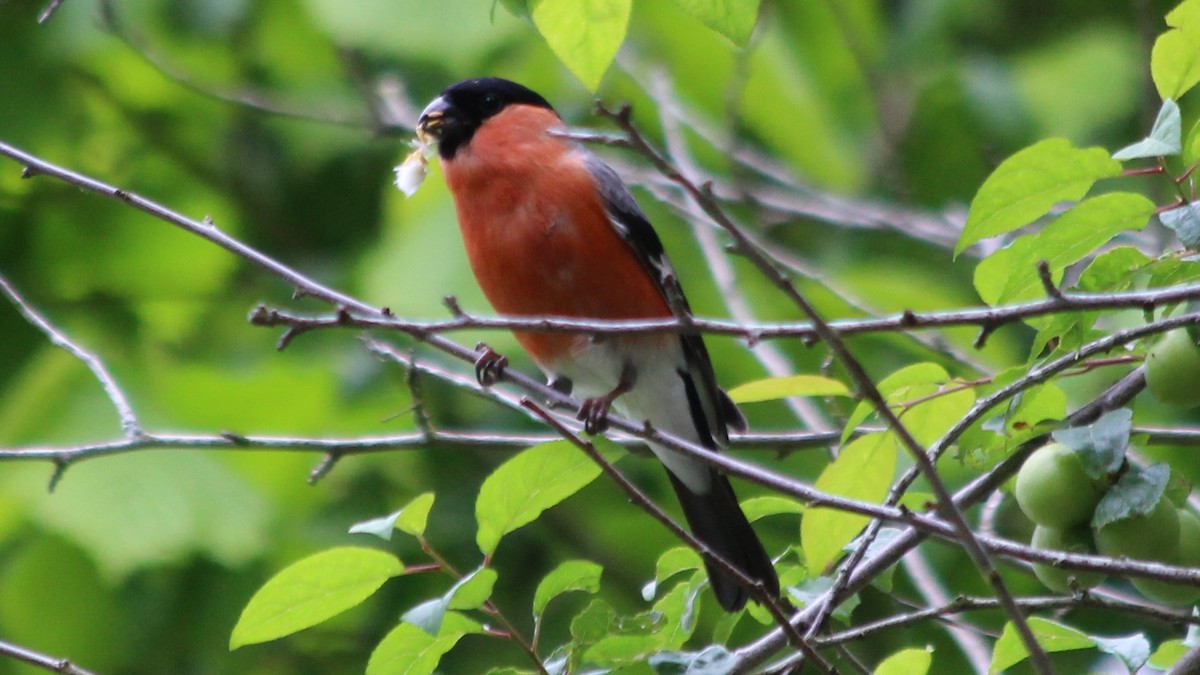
[490, 104]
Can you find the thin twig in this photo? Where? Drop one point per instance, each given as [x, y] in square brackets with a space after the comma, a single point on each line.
[1114, 397]
[989, 317]
[49, 11]
[48, 663]
[771, 357]
[862, 381]
[129, 421]
[772, 604]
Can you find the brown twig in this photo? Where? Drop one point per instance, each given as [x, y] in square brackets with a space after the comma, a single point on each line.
[772, 604]
[862, 381]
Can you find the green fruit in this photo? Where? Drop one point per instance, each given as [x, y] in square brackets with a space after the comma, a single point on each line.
[1153, 537]
[1173, 370]
[1188, 555]
[1053, 489]
[1075, 540]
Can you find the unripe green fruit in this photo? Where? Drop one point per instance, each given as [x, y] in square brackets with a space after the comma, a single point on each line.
[1053, 489]
[1075, 540]
[1152, 537]
[1188, 555]
[1173, 370]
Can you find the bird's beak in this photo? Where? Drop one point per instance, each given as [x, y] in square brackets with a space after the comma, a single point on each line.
[433, 117]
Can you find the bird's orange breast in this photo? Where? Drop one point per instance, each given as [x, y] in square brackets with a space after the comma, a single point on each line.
[537, 234]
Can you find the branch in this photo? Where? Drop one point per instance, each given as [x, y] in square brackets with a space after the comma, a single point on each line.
[49, 11]
[48, 663]
[863, 382]
[974, 604]
[129, 421]
[773, 605]
[989, 318]
[1114, 397]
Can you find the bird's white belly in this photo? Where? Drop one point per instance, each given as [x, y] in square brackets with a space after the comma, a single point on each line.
[658, 394]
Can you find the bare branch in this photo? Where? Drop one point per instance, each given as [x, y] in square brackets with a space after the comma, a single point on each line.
[863, 383]
[988, 317]
[772, 359]
[49, 11]
[773, 605]
[129, 422]
[39, 660]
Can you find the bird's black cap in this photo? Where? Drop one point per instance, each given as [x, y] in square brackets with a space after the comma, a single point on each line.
[454, 116]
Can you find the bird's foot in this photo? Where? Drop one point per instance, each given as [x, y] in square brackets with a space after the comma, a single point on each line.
[594, 411]
[488, 364]
[594, 414]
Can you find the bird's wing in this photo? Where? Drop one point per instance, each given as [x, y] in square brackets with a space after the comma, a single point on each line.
[711, 407]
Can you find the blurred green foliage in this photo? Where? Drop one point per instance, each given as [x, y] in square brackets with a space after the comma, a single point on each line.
[142, 563]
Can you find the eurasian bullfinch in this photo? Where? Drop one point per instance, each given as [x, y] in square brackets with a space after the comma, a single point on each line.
[550, 230]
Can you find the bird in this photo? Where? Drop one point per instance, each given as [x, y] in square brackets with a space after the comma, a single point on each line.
[551, 230]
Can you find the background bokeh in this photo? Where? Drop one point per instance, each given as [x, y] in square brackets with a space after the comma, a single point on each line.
[141, 563]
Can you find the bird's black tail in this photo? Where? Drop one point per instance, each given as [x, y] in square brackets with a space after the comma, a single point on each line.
[717, 520]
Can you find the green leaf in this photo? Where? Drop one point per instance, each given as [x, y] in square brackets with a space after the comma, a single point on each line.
[518, 8]
[427, 615]
[942, 407]
[992, 274]
[1184, 221]
[572, 575]
[1175, 61]
[734, 19]
[906, 662]
[1165, 137]
[1186, 13]
[1032, 407]
[469, 592]
[885, 536]
[1191, 146]
[1100, 445]
[1026, 185]
[1167, 654]
[410, 519]
[712, 660]
[813, 589]
[1136, 493]
[520, 489]
[408, 650]
[670, 563]
[773, 388]
[415, 515]
[593, 623]
[1053, 637]
[1133, 650]
[770, 505]
[1178, 488]
[674, 614]
[584, 34]
[474, 589]
[312, 590]
[381, 527]
[863, 470]
[1068, 239]
[1112, 270]
[897, 387]
[627, 640]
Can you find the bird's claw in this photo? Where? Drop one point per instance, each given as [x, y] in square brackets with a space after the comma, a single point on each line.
[488, 364]
[594, 414]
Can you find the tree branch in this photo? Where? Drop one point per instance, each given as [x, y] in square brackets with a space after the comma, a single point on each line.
[39, 660]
